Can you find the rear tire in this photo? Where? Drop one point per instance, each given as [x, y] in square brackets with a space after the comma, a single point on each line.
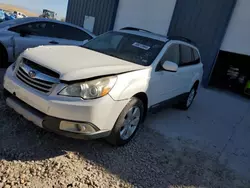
[127, 123]
[3, 57]
[188, 100]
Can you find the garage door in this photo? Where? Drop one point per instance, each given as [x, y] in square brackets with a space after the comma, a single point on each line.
[205, 22]
[151, 15]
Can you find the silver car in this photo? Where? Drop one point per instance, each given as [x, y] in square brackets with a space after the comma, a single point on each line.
[20, 34]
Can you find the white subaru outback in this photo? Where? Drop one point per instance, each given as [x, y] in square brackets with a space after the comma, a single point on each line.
[106, 88]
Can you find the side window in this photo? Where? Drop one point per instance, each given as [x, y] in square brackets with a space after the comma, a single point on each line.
[69, 33]
[187, 57]
[19, 28]
[34, 28]
[172, 54]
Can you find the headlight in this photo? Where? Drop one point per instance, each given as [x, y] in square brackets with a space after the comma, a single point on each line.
[90, 89]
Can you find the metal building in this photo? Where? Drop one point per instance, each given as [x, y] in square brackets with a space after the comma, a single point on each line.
[97, 15]
[203, 21]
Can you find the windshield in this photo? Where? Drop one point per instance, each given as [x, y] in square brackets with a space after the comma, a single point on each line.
[133, 48]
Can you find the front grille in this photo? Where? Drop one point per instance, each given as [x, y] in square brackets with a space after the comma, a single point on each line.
[40, 68]
[40, 81]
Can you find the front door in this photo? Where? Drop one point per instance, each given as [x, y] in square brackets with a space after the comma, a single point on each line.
[30, 35]
[29, 41]
[164, 84]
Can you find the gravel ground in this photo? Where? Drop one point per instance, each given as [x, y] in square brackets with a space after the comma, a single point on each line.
[31, 157]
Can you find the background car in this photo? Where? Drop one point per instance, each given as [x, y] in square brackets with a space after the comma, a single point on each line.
[19, 14]
[9, 16]
[20, 34]
[2, 17]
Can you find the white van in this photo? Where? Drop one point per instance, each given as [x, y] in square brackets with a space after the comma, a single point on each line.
[19, 14]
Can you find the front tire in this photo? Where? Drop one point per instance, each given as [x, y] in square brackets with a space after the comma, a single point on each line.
[3, 57]
[127, 123]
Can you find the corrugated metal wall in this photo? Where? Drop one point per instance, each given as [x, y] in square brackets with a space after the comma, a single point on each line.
[205, 22]
[104, 12]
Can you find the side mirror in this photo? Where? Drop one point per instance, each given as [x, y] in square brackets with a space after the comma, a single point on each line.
[24, 33]
[170, 66]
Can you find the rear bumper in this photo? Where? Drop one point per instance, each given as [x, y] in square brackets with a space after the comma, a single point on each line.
[49, 123]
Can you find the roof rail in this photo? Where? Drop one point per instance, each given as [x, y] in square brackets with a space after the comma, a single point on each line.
[184, 39]
[135, 29]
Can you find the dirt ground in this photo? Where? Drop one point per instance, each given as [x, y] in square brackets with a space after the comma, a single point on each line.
[32, 157]
[13, 8]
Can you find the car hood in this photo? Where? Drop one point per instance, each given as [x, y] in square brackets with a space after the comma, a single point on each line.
[76, 63]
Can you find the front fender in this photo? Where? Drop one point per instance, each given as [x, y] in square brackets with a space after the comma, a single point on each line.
[132, 90]
[129, 85]
[8, 43]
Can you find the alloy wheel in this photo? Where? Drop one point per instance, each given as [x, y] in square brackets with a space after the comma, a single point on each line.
[131, 122]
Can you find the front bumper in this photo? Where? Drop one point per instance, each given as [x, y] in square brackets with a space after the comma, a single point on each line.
[47, 111]
[49, 123]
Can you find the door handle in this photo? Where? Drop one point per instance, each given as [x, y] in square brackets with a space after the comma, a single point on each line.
[53, 42]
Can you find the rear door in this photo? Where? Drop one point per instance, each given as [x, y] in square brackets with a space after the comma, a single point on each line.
[67, 35]
[189, 66]
[35, 35]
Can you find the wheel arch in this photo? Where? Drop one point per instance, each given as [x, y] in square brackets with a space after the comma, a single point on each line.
[144, 98]
[196, 80]
[196, 84]
[2, 47]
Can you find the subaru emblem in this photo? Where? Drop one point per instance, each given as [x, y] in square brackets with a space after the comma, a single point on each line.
[32, 74]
